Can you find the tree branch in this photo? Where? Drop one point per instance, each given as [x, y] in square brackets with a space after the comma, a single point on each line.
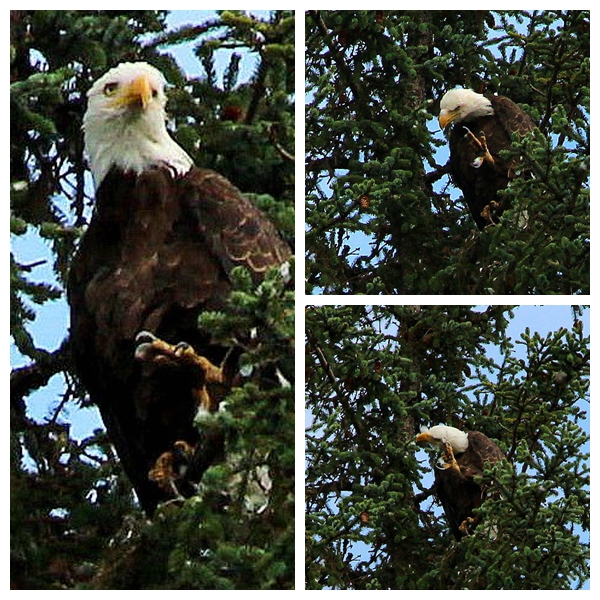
[35, 375]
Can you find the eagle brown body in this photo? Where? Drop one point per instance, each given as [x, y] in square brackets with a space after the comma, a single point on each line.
[464, 456]
[481, 179]
[457, 490]
[157, 253]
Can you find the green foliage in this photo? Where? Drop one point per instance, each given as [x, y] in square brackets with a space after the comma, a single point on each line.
[65, 504]
[75, 522]
[374, 376]
[381, 214]
[243, 129]
[238, 533]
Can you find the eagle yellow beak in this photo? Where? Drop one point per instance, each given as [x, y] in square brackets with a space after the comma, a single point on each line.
[423, 438]
[136, 94]
[447, 116]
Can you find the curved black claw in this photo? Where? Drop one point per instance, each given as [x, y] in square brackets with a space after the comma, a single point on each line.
[150, 348]
[143, 342]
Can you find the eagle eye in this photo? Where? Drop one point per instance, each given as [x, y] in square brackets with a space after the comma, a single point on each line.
[110, 88]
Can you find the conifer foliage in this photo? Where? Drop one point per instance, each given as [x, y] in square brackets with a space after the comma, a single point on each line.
[74, 519]
[374, 377]
[381, 213]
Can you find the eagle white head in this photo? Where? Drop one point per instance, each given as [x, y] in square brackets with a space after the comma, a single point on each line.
[460, 104]
[124, 125]
[444, 434]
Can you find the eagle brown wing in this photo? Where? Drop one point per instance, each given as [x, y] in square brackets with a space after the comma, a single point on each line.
[512, 117]
[235, 230]
[481, 451]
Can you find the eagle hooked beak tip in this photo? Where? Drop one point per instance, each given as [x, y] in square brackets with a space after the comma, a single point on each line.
[423, 438]
[446, 117]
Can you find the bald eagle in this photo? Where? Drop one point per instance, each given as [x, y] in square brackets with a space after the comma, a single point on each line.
[464, 456]
[159, 249]
[481, 126]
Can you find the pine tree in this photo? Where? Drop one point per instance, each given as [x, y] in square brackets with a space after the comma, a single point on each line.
[382, 216]
[374, 376]
[74, 519]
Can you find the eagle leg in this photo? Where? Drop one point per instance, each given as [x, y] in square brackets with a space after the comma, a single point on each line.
[211, 375]
[152, 349]
[164, 475]
[481, 143]
[448, 460]
[488, 212]
[170, 467]
[468, 525]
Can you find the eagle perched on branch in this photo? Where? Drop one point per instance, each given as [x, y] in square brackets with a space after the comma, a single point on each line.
[481, 126]
[464, 456]
[162, 241]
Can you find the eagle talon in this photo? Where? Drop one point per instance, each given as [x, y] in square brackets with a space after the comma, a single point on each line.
[481, 143]
[151, 349]
[144, 337]
[171, 467]
[487, 212]
[448, 460]
[465, 526]
[181, 347]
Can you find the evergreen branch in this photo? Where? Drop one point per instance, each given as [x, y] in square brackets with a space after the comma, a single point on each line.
[432, 176]
[341, 485]
[422, 496]
[334, 382]
[277, 145]
[337, 54]
[258, 86]
[183, 34]
[35, 375]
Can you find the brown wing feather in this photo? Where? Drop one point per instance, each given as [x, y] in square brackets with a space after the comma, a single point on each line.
[237, 232]
[484, 449]
[512, 117]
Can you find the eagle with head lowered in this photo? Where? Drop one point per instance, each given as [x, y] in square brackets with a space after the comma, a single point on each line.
[481, 126]
[464, 456]
[160, 246]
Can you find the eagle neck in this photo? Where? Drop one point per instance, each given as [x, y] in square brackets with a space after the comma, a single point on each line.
[132, 146]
